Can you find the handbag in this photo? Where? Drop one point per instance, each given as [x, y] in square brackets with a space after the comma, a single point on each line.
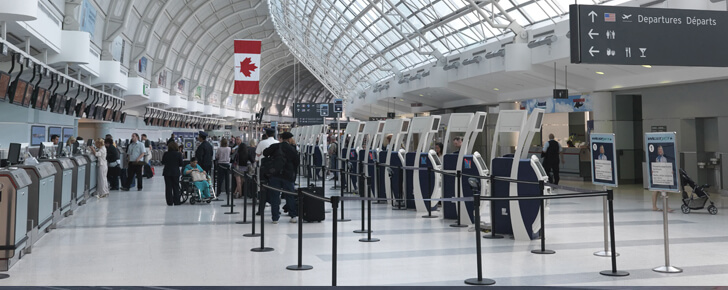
[198, 176]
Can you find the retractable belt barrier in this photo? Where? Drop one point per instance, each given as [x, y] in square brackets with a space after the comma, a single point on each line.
[476, 198]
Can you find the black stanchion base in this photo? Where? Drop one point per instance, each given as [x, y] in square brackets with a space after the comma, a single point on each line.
[227, 205]
[372, 240]
[299, 268]
[217, 199]
[492, 237]
[344, 220]
[4, 276]
[235, 212]
[483, 281]
[544, 252]
[251, 235]
[614, 274]
[458, 226]
[361, 231]
[430, 216]
[261, 250]
[243, 222]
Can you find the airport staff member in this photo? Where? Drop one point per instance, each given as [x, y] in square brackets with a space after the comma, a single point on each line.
[54, 139]
[552, 151]
[136, 162]
[204, 152]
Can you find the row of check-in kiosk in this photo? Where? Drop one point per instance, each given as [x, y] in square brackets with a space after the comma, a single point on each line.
[406, 170]
[37, 193]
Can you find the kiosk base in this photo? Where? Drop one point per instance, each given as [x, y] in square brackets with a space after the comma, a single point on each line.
[614, 274]
[604, 254]
[261, 250]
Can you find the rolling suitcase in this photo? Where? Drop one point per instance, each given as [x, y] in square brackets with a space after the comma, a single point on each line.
[313, 209]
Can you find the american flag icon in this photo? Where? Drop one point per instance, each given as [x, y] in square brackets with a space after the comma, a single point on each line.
[610, 17]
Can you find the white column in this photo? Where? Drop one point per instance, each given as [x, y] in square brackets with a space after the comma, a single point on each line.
[603, 112]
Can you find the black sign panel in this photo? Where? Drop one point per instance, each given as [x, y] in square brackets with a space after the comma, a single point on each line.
[648, 36]
[310, 121]
[313, 110]
[338, 105]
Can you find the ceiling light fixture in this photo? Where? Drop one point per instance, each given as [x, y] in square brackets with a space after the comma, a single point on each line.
[646, 66]
[600, 73]
[496, 89]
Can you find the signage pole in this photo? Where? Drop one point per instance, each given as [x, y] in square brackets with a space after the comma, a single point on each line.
[338, 133]
[667, 268]
[605, 252]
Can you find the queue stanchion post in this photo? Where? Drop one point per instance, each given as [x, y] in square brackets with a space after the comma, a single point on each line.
[606, 252]
[341, 192]
[363, 203]
[230, 202]
[479, 252]
[492, 214]
[369, 238]
[300, 266]
[459, 180]
[245, 201]
[402, 188]
[613, 272]
[429, 189]
[667, 268]
[334, 239]
[254, 186]
[262, 247]
[543, 250]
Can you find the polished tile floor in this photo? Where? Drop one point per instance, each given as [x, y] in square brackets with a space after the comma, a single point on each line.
[134, 238]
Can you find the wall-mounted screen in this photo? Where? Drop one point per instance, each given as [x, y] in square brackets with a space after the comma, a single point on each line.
[67, 133]
[39, 95]
[54, 131]
[19, 92]
[405, 126]
[4, 85]
[46, 100]
[539, 119]
[37, 135]
[435, 124]
[28, 95]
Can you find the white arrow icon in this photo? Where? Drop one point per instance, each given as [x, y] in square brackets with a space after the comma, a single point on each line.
[592, 51]
[593, 14]
[592, 33]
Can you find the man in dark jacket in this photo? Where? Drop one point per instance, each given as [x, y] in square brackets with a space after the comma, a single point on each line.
[112, 158]
[204, 153]
[285, 178]
[552, 151]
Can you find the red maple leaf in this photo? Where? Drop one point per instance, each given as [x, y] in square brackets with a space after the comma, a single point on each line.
[246, 67]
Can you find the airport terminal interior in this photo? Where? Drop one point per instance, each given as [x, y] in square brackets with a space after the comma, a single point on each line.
[363, 143]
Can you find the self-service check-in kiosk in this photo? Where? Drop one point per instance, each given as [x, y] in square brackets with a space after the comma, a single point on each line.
[369, 152]
[319, 150]
[467, 126]
[391, 156]
[80, 192]
[14, 196]
[63, 183]
[419, 180]
[40, 198]
[349, 151]
[92, 170]
[520, 218]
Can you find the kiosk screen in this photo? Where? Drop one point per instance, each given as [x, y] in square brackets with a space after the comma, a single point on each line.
[481, 122]
[405, 126]
[435, 159]
[481, 162]
[539, 118]
[435, 124]
[14, 153]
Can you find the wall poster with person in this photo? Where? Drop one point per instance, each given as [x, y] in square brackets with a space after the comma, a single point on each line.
[661, 154]
[604, 163]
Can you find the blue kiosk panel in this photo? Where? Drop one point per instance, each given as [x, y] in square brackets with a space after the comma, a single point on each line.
[318, 159]
[409, 160]
[469, 168]
[449, 163]
[370, 172]
[382, 174]
[397, 178]
[427, 178]
[529, 208]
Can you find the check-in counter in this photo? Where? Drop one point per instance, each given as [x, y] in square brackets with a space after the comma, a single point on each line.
[571, 159]
[78, 187]
[40, 200]
[14, 220]
[63, 183]
[91, 172]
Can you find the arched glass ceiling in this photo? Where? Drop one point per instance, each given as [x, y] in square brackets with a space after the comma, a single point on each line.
[350, 44]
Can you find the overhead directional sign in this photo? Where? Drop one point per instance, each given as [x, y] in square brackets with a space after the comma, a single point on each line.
[648, 36]
[313, 110]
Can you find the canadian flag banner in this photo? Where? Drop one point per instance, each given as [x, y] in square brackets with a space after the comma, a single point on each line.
[247, 67]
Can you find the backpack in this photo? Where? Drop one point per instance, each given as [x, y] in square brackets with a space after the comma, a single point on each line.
[273, 165]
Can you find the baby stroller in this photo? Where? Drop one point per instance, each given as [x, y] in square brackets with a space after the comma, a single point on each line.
[697, 199]
[189, 191]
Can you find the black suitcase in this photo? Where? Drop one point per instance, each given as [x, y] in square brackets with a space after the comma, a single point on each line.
[148, 172]
[313, 209]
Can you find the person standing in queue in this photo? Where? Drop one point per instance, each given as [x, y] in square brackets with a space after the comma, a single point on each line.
[285, 178]
[223, 167]
[102, 185]
[457, 142]
[172, 161]
[262, 145]
[438, 149]
[112, 159]
[204, 152]
[136, 162]
[552, 153]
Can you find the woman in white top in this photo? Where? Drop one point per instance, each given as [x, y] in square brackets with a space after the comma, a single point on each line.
[223, 166]
[102, 185]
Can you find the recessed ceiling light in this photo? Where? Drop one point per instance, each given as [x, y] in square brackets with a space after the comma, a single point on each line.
[665, 82]
[401, 100]
[421, 95]
[496, 89]
[600, 73]
[647, 66]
